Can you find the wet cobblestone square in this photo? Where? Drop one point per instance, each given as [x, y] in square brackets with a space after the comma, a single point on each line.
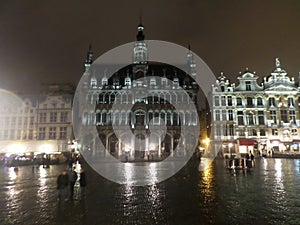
[269, 194]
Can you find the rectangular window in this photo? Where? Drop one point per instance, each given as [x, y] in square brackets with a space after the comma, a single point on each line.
[218, 118]
[284, 116]
[62, 133]
[274, 132]
[229, 101]
[259, 101]
[223, 100]
[239, 102]
[20, 121]
[224, 130]
[240, 116]
[13, 121]
[250, 119]
[290, 102]
[271, 102]
[224, 115]
[52, 133]
[294, 132]
[53, 117]
[12, 134]
[30, 134]
[242, 132]
[261, 118]
[262, 132]
[5, 136]
[273, 116]
[31, 120]
[231, 130]
[218, 130]
[25, 121]
[248, 86]
[43, 117]
[230, 115]
[63, 117]
[19, 132]
[217, 101]
[42, 133]
[292, 116]
[249, 102]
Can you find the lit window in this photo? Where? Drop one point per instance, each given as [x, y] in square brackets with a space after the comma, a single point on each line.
[53, 117]
[63, 117]
[43, 117]
[62, 133]
[42, 133]
[248, 86]
[52, 133]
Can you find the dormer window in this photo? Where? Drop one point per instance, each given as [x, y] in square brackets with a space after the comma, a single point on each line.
[248, 86]
[127, 81]
[222, 88]
[104, 81]
[153, 81]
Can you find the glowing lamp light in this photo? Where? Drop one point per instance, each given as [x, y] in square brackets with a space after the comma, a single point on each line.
[46, 148]
[206, 141]
[16, 149]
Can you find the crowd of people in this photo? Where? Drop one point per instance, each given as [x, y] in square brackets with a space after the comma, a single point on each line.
[66, 183]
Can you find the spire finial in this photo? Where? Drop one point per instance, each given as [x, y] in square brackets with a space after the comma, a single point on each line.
[140, 35]
[277, 63]
[189, 46]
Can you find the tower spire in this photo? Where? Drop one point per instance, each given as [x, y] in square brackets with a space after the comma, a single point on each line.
[191, 62]
[140, 35]
[140, 51]
[89, 58]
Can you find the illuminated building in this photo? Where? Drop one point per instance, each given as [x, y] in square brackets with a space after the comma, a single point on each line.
[38, 123]
[262, 117]
[163, 88]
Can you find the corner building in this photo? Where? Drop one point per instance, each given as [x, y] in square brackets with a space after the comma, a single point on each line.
[262, 118]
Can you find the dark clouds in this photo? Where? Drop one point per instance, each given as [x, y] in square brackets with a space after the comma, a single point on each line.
[46, 41]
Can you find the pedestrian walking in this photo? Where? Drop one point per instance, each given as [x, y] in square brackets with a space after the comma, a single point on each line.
[72, 178]
[62, 185]
[82, 182]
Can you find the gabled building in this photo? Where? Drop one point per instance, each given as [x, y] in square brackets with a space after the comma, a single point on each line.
[262, 118]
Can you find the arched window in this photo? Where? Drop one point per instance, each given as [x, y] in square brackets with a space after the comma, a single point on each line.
[249, 102]
[140, 117]
[259, 101]
[239, 101]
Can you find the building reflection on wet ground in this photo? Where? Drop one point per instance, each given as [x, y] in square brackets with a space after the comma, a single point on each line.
[268, 194]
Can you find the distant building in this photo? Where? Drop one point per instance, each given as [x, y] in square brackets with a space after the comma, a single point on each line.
[262, 118]
[33, 124]
[163, 89]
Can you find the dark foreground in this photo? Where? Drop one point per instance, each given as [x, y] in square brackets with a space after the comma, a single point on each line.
[267, 195]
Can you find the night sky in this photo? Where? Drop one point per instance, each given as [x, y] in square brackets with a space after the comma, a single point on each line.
[46, 41]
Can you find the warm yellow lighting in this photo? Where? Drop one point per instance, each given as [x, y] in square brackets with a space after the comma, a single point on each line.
[206, 141]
